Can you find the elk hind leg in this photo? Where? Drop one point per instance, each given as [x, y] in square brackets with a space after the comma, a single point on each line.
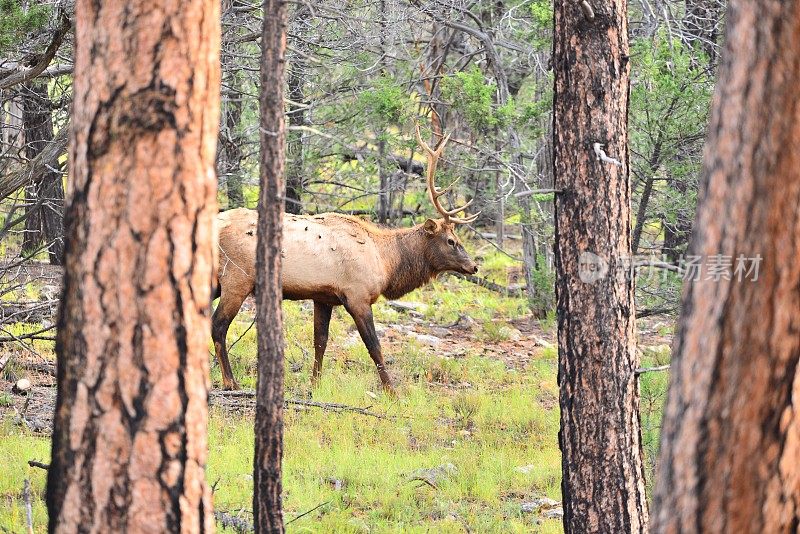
[322, 321]
[226, 311]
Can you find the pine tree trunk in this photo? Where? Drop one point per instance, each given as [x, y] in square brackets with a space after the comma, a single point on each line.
[269, 319]
[730, 442]
[44, 222]
[603, 485]
[129, 437]
[296, 80]
[229, 146]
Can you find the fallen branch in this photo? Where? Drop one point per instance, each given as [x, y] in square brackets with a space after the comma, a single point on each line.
[40, 465]
[643, 370]
[483, 282]
[647, 312]
[307, 512]
[28, 312]
[47, 368]
[36, 167]
[328, 406]
[530, 192]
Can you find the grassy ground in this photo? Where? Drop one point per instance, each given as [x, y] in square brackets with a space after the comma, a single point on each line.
[477, 400]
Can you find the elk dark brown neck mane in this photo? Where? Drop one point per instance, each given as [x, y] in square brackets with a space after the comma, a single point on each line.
[407, 265]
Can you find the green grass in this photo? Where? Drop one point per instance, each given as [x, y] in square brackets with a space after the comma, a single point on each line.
[464, 408]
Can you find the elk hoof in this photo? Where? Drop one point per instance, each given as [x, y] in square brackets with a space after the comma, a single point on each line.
[230, 386]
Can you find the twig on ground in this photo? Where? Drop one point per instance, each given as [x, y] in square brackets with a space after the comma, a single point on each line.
[329, 406]
[488, 284]
[307, 512]
[48, 368]
[40, 465]
[648, 312]
[643, 370]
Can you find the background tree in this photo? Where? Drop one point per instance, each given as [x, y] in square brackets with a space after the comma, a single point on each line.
[129, 438]
[602, 486]
[44, 222]
[267, 507]
[731, 437]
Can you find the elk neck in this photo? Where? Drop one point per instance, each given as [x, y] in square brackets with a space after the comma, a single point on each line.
[405, 263]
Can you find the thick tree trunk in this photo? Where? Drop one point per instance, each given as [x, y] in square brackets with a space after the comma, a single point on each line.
[603, 485]
[44, 222]
[269, 320]
[730, 442]
[129, 437]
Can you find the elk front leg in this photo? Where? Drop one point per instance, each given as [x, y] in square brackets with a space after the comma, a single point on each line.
[322, 321]
[362, 315]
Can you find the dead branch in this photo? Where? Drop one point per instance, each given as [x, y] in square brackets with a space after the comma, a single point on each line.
[335, 407]
[44, 161]
[40, 465]
[488, 284]
[317, 507]
[643, 370]
[41, 62]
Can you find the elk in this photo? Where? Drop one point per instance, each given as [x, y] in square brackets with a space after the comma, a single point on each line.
[339, 260]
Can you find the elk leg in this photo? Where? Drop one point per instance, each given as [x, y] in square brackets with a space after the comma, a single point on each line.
[322, 320]
[226, 311]
[366, 327]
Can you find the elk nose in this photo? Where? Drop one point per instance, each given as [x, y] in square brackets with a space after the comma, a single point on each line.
[475, 269]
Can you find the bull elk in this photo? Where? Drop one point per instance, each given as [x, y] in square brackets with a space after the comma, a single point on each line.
[339, 260]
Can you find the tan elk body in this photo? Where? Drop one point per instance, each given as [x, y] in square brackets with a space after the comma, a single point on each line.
[337, 260]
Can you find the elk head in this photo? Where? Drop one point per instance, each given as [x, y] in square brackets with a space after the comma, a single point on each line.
[445, 251]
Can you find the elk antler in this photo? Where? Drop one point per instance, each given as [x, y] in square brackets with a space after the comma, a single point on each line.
[433, 193]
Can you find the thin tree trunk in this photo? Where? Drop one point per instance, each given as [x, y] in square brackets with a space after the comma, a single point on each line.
[229, 150]
[44, 197]
[730, 442]
[267, 510]
[129, 438]
[641, 213]
[603, 486]
[296, 80]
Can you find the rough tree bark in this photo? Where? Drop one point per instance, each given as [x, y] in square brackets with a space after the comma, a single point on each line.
[45, 197]
[267, 509]
[730, 443]
[129, 437]
[603, 486]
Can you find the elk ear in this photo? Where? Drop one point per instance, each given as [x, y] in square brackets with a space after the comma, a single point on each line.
[431, 227]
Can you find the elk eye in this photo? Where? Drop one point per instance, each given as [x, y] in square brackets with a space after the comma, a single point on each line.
[451, 242]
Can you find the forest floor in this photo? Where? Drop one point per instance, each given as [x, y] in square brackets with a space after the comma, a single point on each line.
[469, 444]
